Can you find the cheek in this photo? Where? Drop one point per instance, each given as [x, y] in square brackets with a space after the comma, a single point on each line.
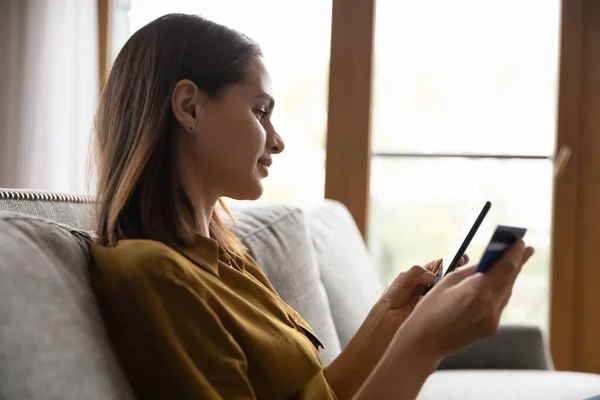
[234, 142]
[253, 135]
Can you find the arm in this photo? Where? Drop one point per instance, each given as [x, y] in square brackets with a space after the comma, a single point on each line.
[402, 370]
[171, 344]
[365, 370]
[350, 369]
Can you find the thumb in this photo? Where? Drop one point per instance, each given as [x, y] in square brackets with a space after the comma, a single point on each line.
[401, 287]
[458, 275]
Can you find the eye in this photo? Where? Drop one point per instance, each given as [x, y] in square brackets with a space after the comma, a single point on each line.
[261, 113]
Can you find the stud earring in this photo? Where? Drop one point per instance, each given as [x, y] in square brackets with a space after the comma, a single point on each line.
[190, 128]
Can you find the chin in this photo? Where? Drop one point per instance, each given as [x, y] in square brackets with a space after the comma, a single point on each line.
[255, 195]
[251, 192]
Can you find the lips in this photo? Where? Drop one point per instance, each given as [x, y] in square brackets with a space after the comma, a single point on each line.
[266, 161]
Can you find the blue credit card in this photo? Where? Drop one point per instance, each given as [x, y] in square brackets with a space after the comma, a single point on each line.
[502, 239]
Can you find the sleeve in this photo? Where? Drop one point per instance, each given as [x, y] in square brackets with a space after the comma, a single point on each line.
[172, 345]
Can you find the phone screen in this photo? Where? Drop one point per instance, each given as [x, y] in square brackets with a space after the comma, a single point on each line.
[472, 222]
[459, 247]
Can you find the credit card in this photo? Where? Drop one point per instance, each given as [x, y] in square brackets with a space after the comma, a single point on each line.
[502, 239]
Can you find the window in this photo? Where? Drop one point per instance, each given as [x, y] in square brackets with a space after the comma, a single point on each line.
[298, 62]
[464, 110]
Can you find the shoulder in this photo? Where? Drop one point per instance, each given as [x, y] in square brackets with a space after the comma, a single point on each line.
[134, 259]
[252, 267]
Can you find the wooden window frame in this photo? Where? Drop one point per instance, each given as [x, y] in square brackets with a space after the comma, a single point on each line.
[348, 149]
[104, 8]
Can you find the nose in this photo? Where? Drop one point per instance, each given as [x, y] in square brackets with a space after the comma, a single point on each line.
[277, 145]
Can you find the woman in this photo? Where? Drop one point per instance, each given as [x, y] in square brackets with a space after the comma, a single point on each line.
[185, 119]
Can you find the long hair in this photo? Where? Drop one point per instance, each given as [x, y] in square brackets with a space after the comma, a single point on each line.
[139, 193]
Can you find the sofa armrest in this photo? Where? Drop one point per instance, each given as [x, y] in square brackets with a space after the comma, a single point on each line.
[513, 347]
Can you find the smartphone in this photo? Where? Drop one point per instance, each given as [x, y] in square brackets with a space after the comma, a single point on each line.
[502, 239]
[458, 249]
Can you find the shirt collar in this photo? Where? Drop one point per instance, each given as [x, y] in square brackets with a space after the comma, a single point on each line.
[204, 252]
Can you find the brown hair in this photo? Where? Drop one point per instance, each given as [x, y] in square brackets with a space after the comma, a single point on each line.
[139, 194]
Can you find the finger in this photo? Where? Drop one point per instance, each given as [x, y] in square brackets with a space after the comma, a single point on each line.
[464, 260]
[417, 275]
[529, 251]
[407, 281]
[435, 266]
[414, 276]
[507, 268]
[406, 288]
[505, 291]
[457, 276]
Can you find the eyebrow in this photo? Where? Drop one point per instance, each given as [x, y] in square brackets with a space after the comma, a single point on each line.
[268, 97]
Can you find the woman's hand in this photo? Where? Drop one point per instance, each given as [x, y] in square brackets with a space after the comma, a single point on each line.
[358, 359]
[402, 294]
[465, 306]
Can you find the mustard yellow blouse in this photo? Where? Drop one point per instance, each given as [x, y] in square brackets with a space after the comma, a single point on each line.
[199, 323]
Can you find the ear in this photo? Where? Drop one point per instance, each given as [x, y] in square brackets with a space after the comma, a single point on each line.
[187, 101]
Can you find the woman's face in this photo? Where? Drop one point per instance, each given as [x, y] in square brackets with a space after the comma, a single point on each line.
[231, 146]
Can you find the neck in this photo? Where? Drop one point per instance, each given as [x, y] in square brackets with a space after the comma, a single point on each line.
[196, 186]
[203, 201]
[204, 209]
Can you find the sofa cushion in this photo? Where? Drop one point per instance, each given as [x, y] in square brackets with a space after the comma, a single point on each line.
[514, 385]
[52, 340]
[277, 239]
[347, 271]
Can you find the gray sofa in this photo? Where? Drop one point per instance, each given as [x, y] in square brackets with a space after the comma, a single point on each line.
[53, 345]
